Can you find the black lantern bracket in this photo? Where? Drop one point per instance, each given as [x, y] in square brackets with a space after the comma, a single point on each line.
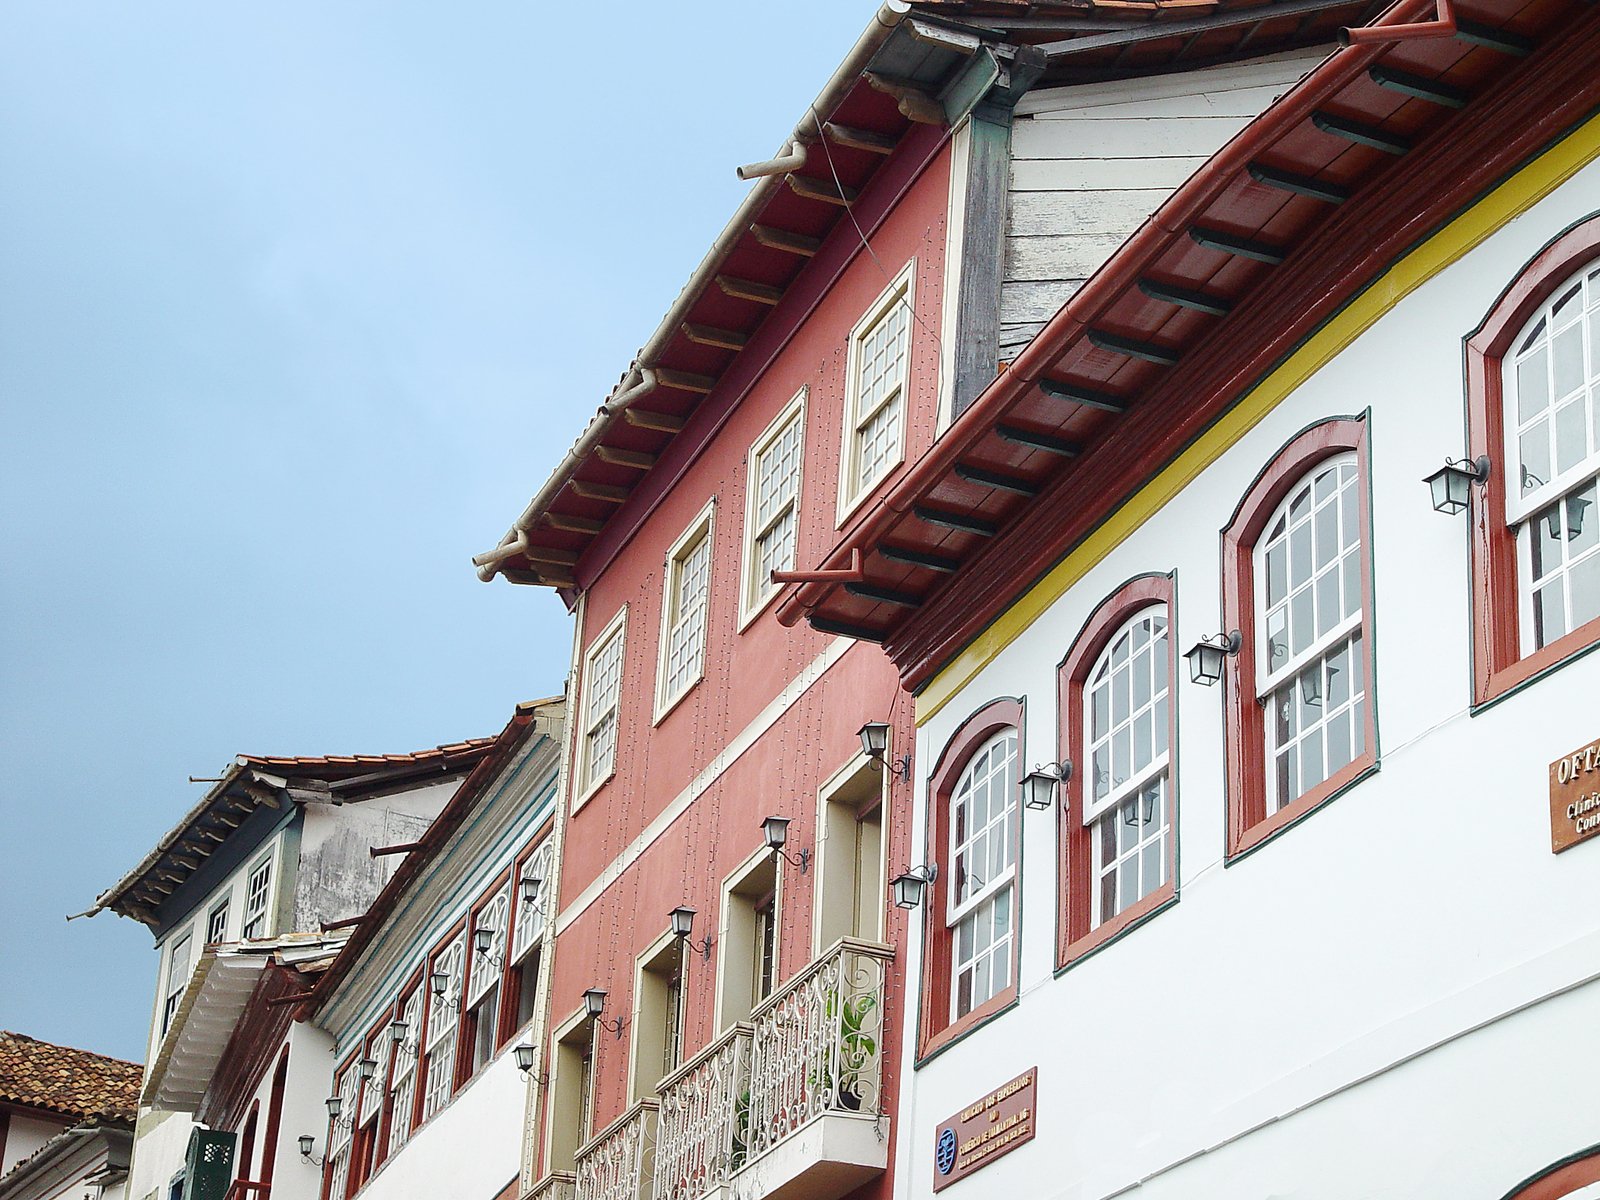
[1039, 785]
[1451, 485]
[907, 889]
[1205, 656]
[683, 928]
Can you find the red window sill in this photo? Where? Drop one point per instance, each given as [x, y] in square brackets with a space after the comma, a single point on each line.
[1106, 931]
[1249, 838]
[1506, 680]
[964, 1025]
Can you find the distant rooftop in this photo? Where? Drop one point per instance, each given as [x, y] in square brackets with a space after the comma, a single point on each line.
[76, 1083]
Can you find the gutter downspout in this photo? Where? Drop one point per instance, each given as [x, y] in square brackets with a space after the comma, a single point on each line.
[791, 159]
[1102, 290]
[889, 15]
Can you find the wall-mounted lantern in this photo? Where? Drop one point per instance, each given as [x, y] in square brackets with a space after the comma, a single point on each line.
[875, 742]
[1451, 484]
[1039, 785]
[594, 1003]
[1205, 657]
[683, 926]
[907, 889]
[775, 833]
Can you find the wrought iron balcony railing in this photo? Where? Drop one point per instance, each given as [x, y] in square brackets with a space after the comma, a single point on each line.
[618, 1162]
[558, 1185]
[704, 1109]
[816, 1045]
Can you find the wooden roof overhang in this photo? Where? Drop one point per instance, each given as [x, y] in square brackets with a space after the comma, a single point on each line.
[499, 754]
[886, 119]
[257, 781]
[1371, 152]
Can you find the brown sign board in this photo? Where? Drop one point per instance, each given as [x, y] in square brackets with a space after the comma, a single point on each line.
[1575, 797]
[988, 1128]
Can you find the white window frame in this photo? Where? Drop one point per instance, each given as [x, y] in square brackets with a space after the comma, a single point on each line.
[590, 781]
[251, 916]
[403, 1085]
[1351, 628]
[702, 532]
[444, 1025]
[342, 1133]
[989, 889]
[224, 907]
[901, 289]
[173, 994]
[1100, 813]
[755, 592]
[529, 922]
[1523, 510]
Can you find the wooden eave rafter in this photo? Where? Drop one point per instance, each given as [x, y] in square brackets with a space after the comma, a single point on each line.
[752, 281]
[1201, 302]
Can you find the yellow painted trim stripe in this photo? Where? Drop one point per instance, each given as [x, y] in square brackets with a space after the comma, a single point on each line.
[1512, 198]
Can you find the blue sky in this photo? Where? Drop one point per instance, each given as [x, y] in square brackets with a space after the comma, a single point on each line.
[298, 305]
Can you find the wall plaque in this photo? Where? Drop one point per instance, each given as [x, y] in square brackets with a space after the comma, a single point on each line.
[1575, 797]
[987, 1129]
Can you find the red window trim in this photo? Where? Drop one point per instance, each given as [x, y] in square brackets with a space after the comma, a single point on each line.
[466, 1024]
[936, 1030]
[1498, 664]
[1560, 1180]
[339, 1072]
[1074, 840]
[511, 997]
[418, 979]
[1245, 724]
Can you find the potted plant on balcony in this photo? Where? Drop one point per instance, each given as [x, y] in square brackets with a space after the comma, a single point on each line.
[855, 1019]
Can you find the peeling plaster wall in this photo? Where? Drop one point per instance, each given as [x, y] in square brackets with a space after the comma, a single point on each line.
[337, 877]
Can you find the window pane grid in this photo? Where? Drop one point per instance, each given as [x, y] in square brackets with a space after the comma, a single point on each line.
[404, 1087]
[372, 1089]
[1312, 674]
[1316, 723]
[600, 724]
[529, 913]
[1131, 850]
[982, 840]
[339, 1136]
[486, 967]
[1563, 565]
[1552, 386]
[255, 901]
[686, 634]
[1127, 709]
[1309, 569]
[881, 354]
[442, 1015]
[982, 956]
[1127, 726]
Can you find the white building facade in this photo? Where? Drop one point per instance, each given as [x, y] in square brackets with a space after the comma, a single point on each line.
[1391, 991]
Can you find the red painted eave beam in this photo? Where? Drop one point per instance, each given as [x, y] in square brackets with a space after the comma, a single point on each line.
[1119, 273]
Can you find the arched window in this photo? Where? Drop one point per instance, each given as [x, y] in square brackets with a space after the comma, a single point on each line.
[983, 861]
[1574, 1178]
[971, 910]
[1309, 674]
[1297, 586]
[1553, 438]
[1118, 730]
[1533, 390]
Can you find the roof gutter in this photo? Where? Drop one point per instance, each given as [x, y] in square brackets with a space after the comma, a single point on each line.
[641, 379]
[1103, 289]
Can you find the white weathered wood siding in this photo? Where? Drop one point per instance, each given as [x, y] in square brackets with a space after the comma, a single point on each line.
[1089, 163]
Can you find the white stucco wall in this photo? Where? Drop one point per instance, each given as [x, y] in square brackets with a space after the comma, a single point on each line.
[471, 1148]
[24, 1136]
[1395, 997]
